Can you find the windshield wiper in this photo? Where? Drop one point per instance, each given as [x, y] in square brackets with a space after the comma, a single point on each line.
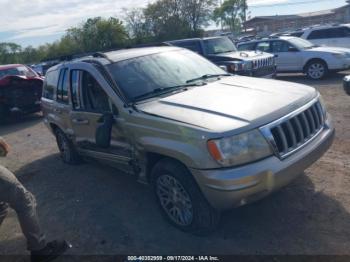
[205, 77]
[163, 90]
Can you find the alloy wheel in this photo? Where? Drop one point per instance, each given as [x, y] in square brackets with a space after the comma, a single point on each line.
[175, 200]
[316, 70]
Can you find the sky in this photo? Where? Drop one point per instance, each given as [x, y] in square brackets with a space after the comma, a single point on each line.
[35, 22]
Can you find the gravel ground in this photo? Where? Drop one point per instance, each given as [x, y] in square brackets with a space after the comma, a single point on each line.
[102, 211]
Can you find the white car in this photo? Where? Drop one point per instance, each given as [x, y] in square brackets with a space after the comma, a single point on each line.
[337, 36]
[294, 54]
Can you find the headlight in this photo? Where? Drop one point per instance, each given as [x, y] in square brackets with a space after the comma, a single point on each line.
[237, 66]
[240, 149]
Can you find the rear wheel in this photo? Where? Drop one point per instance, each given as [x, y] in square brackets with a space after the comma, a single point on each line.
[68, 152]
[180, 199]
[316, 69]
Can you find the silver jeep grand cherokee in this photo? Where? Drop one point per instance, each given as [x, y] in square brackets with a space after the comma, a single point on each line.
[204, 139]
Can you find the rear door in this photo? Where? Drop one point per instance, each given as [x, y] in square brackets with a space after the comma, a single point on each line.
[90, 100]
[62, 107]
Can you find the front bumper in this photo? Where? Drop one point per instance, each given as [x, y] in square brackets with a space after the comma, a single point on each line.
[228, 188]
[341, 64]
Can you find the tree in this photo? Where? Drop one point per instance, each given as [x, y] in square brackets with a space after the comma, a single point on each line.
[9, 53]
[171, 19]
[198, 12]
[137, 25]
[98, 34]
[231, 14]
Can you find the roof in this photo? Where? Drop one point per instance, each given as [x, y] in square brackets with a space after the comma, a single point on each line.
[126, 54]
[298, 16]
[267, 39]
[4, 67]
[120, 55]
[192, 39]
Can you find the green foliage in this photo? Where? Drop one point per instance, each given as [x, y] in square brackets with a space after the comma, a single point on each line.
[96, 34]
[231, 14]
[172, 19]
[159, 21]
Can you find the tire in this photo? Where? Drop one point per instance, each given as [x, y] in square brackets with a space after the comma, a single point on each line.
[316, 69]
[68, 153]
[180, 199]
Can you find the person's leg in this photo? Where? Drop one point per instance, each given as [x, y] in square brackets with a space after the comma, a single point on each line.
[24, 203]
[3, 211]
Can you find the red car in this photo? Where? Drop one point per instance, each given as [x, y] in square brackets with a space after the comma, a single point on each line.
[20, 90]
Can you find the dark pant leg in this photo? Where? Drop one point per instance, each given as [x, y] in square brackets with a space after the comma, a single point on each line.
[24, 203]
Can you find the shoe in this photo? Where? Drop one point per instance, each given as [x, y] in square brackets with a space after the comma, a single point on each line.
[50, 252]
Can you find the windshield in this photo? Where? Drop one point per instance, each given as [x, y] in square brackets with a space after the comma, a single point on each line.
[301, 43]
[139, 76]
[219, 45]
[17, 71]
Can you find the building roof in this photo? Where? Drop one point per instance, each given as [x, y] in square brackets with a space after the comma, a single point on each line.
[297, 16]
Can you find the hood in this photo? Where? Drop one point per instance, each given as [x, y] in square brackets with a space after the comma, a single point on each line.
[330, 49]
[245, 55]
[18, 80]
[233, 103]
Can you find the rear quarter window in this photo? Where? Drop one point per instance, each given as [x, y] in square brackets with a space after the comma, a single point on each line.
[51, 81]
[320, 34]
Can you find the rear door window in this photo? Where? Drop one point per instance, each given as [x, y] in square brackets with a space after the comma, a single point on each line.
[62, 89]
[51, 82]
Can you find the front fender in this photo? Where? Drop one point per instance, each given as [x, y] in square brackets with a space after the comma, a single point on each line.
[190, 153]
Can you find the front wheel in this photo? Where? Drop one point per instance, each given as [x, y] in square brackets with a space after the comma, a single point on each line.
[180, 199]
[316, 69]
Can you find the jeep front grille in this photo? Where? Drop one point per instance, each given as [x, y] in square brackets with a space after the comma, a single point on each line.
[265, 62]
[294, 132]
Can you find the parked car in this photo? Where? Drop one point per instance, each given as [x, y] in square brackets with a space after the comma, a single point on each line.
[294, 54]
[205, 140]
[346, 84]
[223, 52]
[20, 90]
[328, 35]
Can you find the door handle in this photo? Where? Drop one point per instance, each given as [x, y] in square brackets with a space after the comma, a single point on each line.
[81, 121]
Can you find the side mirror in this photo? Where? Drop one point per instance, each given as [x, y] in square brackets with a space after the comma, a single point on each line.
[104, 130]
